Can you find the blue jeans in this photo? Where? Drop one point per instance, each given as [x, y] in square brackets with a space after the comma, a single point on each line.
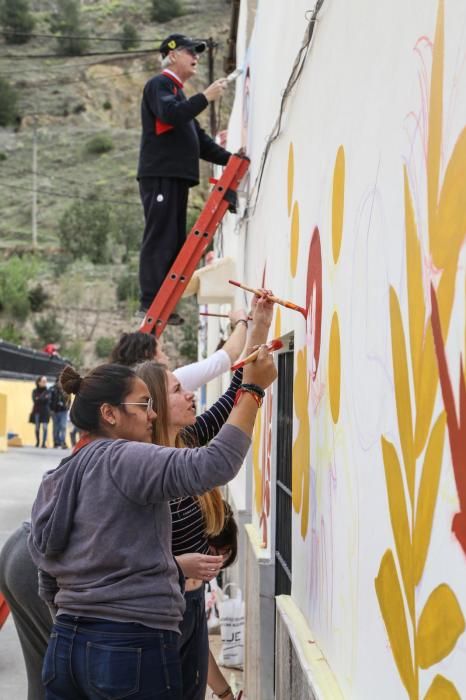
[59, 428]
[89, 659]
[44, 430]
[194, 646]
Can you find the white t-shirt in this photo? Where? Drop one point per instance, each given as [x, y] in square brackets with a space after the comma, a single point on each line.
[192, 376]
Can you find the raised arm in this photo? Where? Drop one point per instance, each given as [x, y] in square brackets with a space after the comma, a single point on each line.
[148, 474]
[209, 423]
[162, 102]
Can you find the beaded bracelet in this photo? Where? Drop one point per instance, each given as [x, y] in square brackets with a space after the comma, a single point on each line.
[254, 390]
[228, 691]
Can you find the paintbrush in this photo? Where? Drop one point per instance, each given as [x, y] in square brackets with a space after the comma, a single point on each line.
[208, 313]
[276, 300]
[273, 345]
[233, 76]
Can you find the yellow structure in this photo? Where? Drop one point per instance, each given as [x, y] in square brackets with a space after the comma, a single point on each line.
[15, 409]
[3, 440]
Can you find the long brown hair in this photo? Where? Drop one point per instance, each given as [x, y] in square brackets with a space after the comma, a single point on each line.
[155, 377]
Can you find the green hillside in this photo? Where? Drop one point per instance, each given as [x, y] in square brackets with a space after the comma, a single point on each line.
[80, 114]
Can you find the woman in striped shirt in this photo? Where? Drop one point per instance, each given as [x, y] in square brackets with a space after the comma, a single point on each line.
[196, 519]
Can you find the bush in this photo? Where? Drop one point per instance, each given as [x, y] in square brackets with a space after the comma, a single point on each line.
[14, 278]
[66, 23]
[38, 298]
[165, 10]
[102, 143]
[128, 288]
[129, 38]
[103, 347]
[107, 105]
[84, 230]
[10, 334]
[3, 156]
[73, 351]
[16, 18]
[8, 104]
[128, 228]
[48, 329]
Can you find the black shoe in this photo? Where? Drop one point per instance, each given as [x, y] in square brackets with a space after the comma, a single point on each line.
[45, 446]
[64, 446]
[175, 320]
[37, 443]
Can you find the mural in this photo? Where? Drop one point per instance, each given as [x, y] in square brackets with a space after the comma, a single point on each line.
[456, 426]
[306, 374]
[362, 210]
[418, 641]
[262, 447]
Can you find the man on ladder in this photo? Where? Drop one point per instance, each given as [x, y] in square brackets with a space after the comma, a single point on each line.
[171, 144]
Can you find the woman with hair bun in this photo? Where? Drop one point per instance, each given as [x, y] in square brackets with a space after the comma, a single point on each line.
[101, 529]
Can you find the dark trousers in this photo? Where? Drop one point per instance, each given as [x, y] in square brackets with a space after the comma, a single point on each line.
[18, 583]
[59, 419]
[44, 423]
[194, 646]
[93, 659]
[165, 201]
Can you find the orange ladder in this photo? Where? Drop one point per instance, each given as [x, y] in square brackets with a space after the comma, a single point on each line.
[220, 200]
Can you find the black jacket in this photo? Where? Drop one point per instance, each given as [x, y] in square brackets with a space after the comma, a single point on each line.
[41, 403]
[172, 140]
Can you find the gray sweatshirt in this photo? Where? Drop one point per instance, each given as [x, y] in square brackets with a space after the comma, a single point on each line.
[101, 524]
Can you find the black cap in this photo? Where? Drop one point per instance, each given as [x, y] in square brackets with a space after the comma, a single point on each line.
[180, 41]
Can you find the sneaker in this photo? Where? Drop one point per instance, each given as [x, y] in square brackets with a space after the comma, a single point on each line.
[175, 320]
[64, 446]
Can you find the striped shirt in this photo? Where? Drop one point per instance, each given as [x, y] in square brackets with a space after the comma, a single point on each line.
[188, 533]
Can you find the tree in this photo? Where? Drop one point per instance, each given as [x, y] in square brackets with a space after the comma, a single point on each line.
[15, 274]
[128, 228]
[48, 329]
[129, 38]
[66, 23]
[16, 18]
[165, 10]
[104, 346]
[84, 230]
[8, 102]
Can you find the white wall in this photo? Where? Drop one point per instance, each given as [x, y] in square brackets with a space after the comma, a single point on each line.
[364, 92]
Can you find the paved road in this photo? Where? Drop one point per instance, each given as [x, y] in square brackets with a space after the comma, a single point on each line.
[21, 470]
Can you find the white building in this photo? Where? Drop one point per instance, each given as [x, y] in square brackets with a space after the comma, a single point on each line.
[355, 495]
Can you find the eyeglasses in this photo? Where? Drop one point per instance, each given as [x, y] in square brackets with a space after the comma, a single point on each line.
[148, 404]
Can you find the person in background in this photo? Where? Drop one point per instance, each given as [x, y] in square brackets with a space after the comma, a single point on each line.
[59, 405]
[197, 521]
[41, 409]
[133, 348]
[172, 142]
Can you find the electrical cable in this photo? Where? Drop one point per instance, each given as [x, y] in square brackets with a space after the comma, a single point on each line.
[88, 37]
[55, 193]
[296, 72]
[86, 79]
[69, 181]
[121, 54]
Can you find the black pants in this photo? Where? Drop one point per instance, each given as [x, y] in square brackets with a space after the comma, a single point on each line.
[18, 583]
[194, 646]
[165, 201]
